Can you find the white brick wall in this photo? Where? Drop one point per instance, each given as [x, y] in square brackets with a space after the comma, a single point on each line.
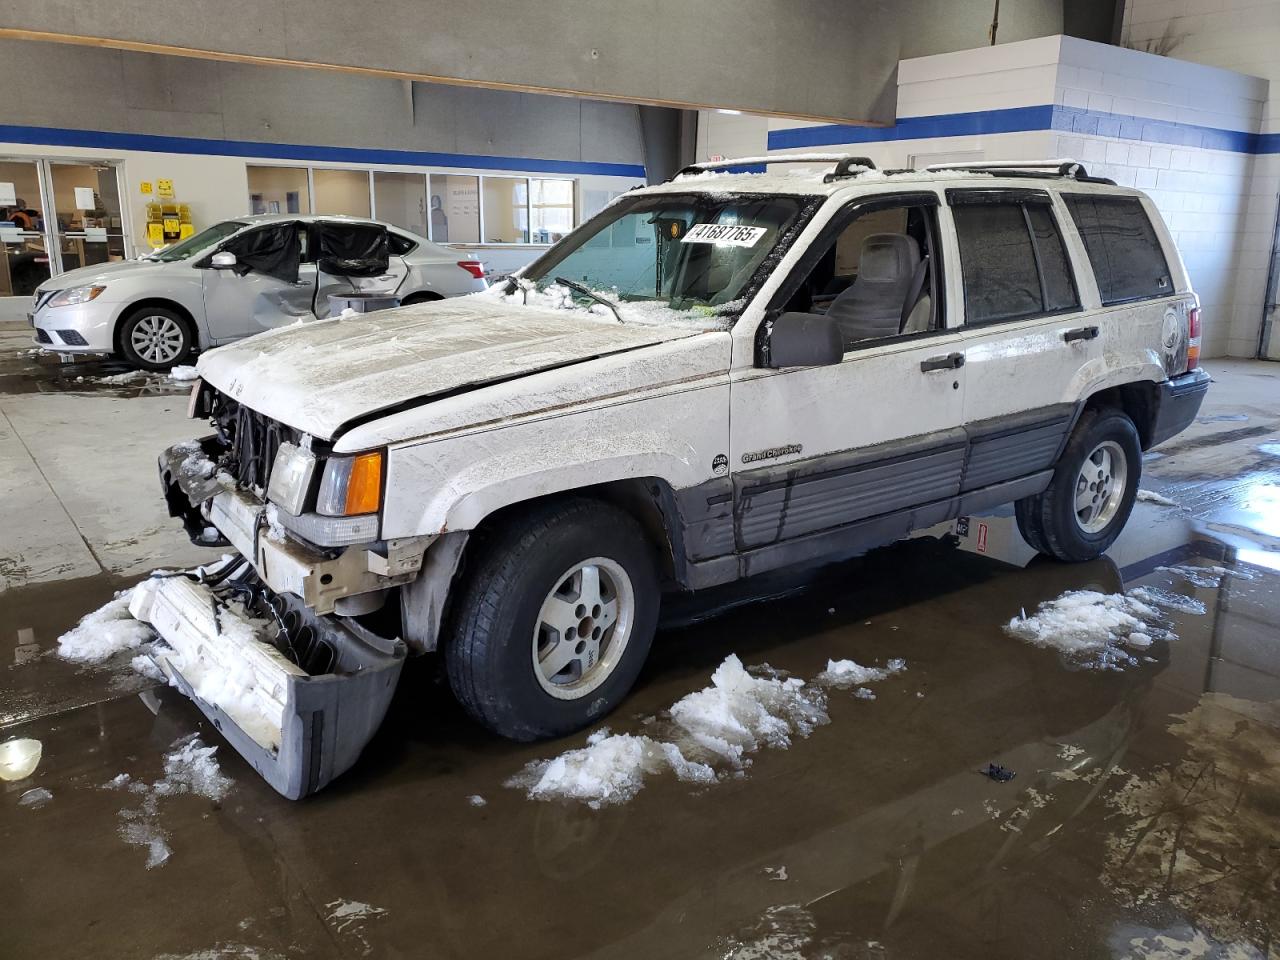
[1219, 203]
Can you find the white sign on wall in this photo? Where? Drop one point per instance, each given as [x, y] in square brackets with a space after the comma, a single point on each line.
[84, 198]
[8, 195]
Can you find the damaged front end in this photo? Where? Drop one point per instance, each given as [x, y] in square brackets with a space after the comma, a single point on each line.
[268, 646]
[297, 695]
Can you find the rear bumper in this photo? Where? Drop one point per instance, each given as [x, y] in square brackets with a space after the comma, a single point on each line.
[300, 720]
[1177, 404]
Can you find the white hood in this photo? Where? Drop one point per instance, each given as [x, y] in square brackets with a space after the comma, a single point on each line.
[318, 376]
[102, 273]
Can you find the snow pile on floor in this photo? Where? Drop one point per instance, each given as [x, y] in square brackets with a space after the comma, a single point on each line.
[105, 632]
[1090, 629]
[707, 732]
[1207, 577]
[844, 674]
[189, 768]
[183, 373]
[128, 376]
[1150, 496]
[740, 713]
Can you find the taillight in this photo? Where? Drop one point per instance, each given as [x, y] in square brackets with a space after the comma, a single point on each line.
[473, 267]
[1193, 338]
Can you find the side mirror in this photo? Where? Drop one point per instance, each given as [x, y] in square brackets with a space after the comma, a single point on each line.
[223, 260]
[805, 340]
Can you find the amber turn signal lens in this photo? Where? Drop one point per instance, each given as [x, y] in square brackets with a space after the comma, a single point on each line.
[364, 489]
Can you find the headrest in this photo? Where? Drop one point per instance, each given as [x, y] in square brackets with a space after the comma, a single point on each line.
[887, 258]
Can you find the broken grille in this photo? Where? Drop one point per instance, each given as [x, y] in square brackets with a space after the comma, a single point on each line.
[252, 441]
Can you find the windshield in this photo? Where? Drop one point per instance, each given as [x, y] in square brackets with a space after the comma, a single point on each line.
[194, 244]
[667, 257]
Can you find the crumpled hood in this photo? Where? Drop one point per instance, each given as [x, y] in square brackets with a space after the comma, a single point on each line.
[320, 375]
[102, 273]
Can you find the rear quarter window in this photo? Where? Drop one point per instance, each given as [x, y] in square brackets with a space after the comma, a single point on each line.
[1123, 248]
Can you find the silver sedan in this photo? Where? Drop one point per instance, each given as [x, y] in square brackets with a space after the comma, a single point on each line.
[237, 278]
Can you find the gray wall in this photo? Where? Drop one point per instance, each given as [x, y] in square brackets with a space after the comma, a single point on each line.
[89, 88]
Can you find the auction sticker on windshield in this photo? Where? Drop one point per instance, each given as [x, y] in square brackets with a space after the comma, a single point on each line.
[729, 234]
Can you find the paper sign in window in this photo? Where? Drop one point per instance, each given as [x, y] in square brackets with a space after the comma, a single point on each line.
[724, 234]
[8, 195]
[84, 198]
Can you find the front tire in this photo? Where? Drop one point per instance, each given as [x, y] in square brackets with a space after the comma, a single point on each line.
[1092, 493]
[555, 622]
[155, 338]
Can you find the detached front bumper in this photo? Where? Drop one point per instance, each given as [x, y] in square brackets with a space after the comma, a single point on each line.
[298, 696]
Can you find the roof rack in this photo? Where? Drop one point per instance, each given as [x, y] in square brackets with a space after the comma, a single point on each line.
[843, 161]
[1070, 169]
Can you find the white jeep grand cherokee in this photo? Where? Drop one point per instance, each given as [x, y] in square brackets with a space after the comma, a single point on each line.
[721, 375]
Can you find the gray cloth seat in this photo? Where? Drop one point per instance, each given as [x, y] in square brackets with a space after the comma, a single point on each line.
[873, 306]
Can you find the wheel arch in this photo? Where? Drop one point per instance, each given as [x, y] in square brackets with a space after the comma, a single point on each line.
[1138, 399]
[163, 303]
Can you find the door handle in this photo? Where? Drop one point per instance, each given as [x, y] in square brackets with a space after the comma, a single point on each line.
[1080, 333]
[952, 361]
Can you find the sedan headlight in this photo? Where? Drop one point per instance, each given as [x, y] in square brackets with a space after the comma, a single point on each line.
[351, 485]
[76, 295]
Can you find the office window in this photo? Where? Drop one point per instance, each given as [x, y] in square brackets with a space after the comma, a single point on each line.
[454, 206]
[278, 190]
[342, 191]
[401, 199]
[1123, 248]
[506, 210]
[551, 207]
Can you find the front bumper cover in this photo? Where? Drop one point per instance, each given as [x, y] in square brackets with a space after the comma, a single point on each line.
[298, 727]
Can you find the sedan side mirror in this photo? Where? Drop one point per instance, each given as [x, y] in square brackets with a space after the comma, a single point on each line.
[805, 340]
[223, 260]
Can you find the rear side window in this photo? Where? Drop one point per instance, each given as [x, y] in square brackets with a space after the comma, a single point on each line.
[1123, 248]
[400, 245]
[1012, 257]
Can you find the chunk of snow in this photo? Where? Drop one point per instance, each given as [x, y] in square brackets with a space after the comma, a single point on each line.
[35, 797]
[275, 529]
[1150, 496]
[844, 674]
[611, 768]
[864, 693]
[118, 782]
[191, 768]
[1155, 596]
[1087, 627]
[718, 725]
[181, 373]
[777, 873]
[145, 666]
[105, 632]
[476, 800]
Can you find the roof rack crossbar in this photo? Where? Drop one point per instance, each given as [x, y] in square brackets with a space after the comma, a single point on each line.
[842, 160]
[1066, 168]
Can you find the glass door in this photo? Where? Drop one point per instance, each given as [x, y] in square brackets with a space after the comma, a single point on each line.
[89, 226]
[24, 248]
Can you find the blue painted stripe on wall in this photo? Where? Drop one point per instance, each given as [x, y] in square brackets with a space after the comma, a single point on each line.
[1032, 119]
[1011, 120]
[149, 143]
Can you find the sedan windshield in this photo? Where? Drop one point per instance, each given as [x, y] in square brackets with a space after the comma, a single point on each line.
[666, 257]
[194, 244]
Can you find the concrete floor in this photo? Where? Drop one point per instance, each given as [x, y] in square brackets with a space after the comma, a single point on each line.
[1144, 820]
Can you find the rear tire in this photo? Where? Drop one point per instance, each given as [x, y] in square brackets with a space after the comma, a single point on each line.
[413, 298]
[1092, 493]
[155, 338]
[555, 622]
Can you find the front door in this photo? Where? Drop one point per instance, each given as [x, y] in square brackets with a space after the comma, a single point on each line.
[270, 288]
[847, 456]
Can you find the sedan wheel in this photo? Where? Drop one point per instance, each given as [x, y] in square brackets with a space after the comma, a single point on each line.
[155, 338]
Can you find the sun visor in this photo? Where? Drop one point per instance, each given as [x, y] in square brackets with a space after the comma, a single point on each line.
[352, 250]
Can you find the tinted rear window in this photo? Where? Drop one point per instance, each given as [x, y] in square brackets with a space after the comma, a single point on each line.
[1123, 248]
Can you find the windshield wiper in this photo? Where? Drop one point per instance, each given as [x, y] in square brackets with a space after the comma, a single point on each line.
[588, 292]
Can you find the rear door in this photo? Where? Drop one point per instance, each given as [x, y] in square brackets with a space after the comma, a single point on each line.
[268, 289]
[860, 452]
[1029, 336]
[354, 258]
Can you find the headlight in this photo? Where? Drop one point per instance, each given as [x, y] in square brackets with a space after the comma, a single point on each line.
[76, 295]
[351, 485]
